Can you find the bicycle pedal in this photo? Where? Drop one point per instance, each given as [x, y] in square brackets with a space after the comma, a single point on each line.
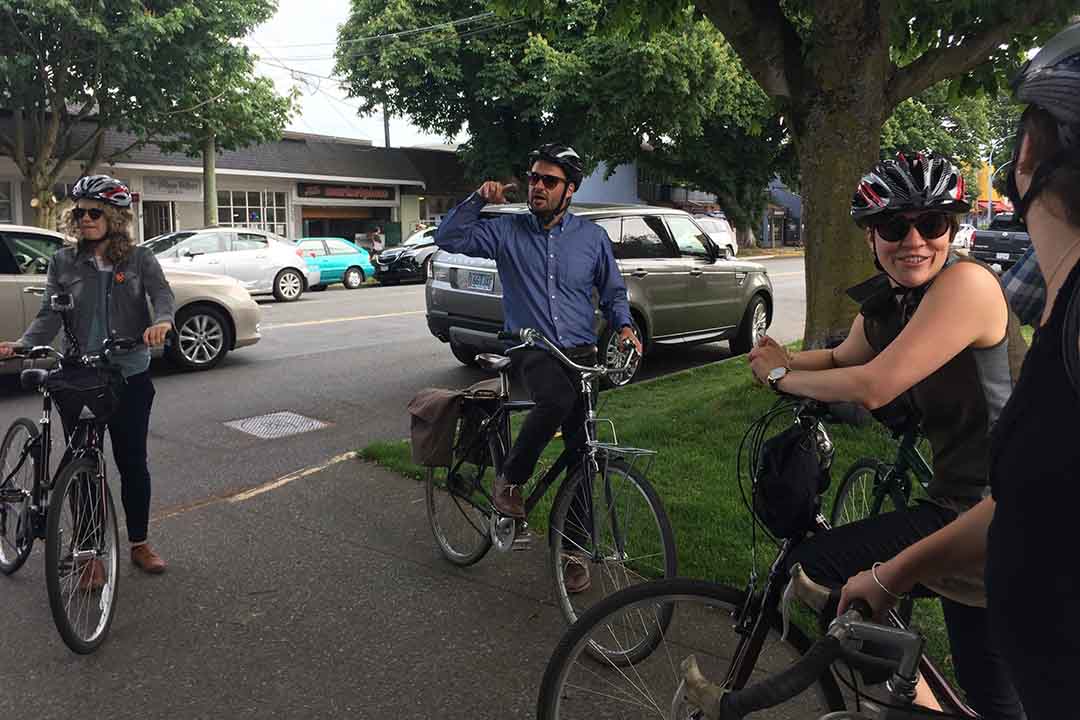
[13, 495]
[523, 540]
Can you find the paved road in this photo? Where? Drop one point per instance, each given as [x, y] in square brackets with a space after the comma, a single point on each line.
[322, 597]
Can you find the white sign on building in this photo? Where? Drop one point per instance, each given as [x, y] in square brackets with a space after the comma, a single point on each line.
[172, 188]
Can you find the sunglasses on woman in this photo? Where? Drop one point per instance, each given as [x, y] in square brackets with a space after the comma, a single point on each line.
[94, 213]
[550, 181]
[930, 225]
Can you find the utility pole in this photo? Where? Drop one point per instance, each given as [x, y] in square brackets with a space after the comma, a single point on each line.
[386, 124]
[209, 155]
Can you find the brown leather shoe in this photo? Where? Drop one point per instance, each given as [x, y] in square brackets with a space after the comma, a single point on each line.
[576, 577]
[91, 575]
[507, 498]
[144, 558]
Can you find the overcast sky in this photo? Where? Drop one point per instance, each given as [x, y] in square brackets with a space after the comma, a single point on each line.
[302, 36]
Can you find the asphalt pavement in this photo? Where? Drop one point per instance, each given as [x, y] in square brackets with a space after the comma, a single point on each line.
[305, 594]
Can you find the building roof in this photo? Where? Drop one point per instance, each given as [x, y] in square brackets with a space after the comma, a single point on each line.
[292, 155]
[442, 170]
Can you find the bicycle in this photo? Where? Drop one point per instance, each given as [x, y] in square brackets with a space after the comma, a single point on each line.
[72, 510]
[629, 540]
[872, 486]
[731, 633]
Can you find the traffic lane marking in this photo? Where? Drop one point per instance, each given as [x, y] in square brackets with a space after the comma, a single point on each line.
[330, 321]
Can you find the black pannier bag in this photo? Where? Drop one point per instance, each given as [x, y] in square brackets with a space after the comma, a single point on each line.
[789, 482]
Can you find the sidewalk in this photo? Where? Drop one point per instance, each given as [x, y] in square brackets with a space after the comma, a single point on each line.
[770, 253]
[323, 598]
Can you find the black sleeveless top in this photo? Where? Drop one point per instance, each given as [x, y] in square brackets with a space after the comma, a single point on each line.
[956, 405]
[1032, 577]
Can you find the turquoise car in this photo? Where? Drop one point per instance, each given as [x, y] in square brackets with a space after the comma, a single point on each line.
[338, 261]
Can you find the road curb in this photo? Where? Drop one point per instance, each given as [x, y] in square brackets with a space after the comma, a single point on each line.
[759, 258]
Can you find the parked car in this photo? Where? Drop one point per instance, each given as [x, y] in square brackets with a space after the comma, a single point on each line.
[720, 232]
[681, 288]
[409, 261]
[337, 261]
[263, 262]
[1001, 245]
[214, 314]
[963, 238]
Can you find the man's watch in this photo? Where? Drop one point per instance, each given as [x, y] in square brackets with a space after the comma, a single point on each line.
[775, 376]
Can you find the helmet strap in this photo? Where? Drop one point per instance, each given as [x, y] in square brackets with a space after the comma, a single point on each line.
[546, 218]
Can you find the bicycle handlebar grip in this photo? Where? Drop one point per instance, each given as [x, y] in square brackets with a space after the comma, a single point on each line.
[511, 335]
[784, 686]
[862, 607]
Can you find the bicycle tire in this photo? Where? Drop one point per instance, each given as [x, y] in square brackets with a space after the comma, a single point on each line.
[703, 611]
[861, 493]
[16, 541]
[82, 616]
[647, 560]
[450, 508]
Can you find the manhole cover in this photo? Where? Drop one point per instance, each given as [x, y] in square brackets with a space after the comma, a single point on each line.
[276, 425]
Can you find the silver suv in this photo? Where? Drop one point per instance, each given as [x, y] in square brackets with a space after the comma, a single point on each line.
[682, 290]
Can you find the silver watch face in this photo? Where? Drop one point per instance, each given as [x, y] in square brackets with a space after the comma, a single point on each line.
[776, 373]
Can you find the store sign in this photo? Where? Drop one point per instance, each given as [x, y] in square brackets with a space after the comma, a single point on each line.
[345, 192]
[167, 188]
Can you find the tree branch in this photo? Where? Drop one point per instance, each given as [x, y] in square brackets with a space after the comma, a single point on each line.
[936, 65]
[766, 42]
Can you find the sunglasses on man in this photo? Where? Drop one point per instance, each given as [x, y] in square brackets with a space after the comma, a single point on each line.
[930, 225]
[550, 181]
[94, 213]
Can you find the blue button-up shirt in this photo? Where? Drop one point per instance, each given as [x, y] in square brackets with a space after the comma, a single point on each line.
[547, 275]
[1025, 288]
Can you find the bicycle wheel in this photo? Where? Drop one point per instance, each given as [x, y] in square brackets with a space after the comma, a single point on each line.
[81, 557]
[868, 488]
[458, 509]
[16, 482]
[634, 543]
[702, 622]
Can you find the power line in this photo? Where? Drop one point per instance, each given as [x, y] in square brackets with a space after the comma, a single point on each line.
[400, 33]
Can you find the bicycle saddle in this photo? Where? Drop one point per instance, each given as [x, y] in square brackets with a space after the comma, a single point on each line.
[491, 361]
[33, 379]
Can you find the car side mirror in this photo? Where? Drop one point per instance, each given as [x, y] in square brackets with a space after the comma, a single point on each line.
[41, 266]
[62, 302]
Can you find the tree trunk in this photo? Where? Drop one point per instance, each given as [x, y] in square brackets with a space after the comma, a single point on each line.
[835, 149]
[42, 198]
[210, 211]
[744, 237]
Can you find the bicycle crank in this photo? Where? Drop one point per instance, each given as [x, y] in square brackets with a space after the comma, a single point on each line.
[503, 530]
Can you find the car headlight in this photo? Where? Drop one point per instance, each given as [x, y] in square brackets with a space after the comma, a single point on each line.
[442, 273]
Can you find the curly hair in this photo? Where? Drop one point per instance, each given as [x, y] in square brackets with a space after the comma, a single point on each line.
[119, 235]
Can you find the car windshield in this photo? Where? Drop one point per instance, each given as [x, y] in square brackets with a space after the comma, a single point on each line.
[163, 243]
[423, 237]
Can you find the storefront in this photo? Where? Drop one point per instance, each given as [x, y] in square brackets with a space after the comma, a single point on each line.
[352, 212]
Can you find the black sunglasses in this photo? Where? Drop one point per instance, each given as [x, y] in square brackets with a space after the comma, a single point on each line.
[550, 181]
[94, 213]
[930, 225]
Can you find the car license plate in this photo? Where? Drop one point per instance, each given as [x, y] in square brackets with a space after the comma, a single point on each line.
[481, 281]
[1002, 256]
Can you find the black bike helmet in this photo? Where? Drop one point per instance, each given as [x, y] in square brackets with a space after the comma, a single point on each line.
[565, 157]
[1050, 81]
[910, 182]
[104, 188]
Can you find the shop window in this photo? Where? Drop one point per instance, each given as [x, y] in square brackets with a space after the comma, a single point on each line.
[5, 202]
[264, 210]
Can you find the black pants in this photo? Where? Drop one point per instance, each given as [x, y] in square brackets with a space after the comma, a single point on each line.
[128, 429]
[556, 390]
[833, 557]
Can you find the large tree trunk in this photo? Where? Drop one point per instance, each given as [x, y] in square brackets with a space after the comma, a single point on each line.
[835, 151]
[42, 198]
[745, 237]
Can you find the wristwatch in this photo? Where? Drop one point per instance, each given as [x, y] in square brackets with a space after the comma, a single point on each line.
[775, 376]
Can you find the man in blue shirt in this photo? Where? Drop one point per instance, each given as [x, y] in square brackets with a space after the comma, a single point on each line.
[549, 263]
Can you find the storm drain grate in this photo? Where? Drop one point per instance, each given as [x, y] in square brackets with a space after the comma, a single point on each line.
[276, 425]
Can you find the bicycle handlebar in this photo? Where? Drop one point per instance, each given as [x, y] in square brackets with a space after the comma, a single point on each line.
[530, 337]
[109, 347]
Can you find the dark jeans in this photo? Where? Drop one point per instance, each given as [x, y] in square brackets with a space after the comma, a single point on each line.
[128, 428]
[556, 390]
[833, 557]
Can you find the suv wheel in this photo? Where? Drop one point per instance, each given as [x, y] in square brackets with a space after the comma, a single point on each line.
[612, 356]
[466, 354]
[754, 324]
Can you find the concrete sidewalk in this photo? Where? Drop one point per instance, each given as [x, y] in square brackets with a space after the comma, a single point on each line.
[324, 597]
